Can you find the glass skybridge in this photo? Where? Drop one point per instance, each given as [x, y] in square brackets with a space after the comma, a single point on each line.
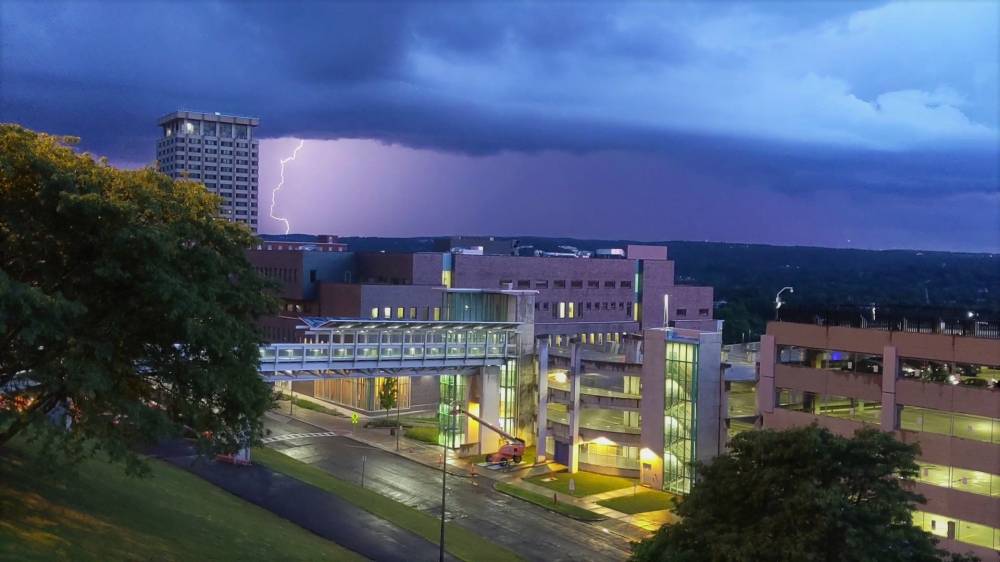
[337, 347]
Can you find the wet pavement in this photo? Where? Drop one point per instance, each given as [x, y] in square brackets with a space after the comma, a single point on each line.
[533, 532]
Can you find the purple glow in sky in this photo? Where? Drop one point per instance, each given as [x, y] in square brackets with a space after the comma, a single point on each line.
[367, 188]
[854, 123]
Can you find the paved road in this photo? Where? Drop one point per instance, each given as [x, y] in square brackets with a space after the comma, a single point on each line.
[531, 531]
[316, 510]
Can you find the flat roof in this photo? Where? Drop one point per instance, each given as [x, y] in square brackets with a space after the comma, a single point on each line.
[335, 323]
[206, 116]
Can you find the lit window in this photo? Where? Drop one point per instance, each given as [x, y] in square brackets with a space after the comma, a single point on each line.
[562, 310]
[387, 312]
[374, 312]
[399, 313]
[437, 313]
[572, 310]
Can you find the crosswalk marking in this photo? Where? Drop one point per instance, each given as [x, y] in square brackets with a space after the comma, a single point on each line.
[288, 436]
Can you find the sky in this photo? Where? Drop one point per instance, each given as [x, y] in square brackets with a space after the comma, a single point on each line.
[832, 123]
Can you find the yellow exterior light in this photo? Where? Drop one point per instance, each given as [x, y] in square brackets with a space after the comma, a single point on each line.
[560, 377]
[646, 455]
[602, 440]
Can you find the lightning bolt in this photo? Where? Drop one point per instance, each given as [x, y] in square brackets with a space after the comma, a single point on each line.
[274, 192]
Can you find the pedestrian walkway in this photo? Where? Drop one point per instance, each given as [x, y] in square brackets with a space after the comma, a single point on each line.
[314, 509]
[288, 436]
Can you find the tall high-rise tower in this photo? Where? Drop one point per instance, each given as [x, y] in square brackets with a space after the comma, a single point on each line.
[218, 150]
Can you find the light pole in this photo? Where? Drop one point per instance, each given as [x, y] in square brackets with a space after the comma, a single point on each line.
[778, 302]
[444, 475]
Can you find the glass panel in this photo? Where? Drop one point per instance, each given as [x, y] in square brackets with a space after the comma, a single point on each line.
[681, 394]
[451, 427]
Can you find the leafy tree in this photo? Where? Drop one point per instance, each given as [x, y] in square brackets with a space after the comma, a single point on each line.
[800, 495]
[388, 394]
[127, 309]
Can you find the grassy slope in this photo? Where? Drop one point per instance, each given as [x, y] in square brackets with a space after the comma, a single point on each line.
[546, 502]
[460, 542]
[639, 503]
[98, 513]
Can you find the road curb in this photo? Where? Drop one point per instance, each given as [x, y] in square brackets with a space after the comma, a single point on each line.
[602, 517]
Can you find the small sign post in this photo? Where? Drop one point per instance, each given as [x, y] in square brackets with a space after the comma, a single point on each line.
[354, 421]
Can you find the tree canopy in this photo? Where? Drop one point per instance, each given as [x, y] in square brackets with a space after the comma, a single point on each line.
[127, 308]
[387, 393]
[800, 495]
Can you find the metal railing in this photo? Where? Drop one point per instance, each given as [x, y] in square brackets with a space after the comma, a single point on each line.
[952, 322]
[304, 356]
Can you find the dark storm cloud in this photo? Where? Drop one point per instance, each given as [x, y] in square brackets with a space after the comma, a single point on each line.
[794, 98]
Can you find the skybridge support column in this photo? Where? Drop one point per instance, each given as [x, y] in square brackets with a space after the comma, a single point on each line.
[489, 392]
[573, 461]
[543, 398]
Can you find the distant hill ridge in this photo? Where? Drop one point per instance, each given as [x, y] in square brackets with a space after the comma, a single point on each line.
[820, 275]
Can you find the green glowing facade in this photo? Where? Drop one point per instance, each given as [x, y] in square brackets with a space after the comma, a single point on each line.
[680, 420]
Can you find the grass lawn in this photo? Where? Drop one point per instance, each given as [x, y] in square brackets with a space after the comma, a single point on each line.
[97, 513]
[586, 483]
[460, 542]
[546, 502]
[425, 434]
[419, 419]
[306, 404]
[646, 500]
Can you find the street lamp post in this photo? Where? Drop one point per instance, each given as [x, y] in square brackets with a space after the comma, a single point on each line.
[778, 302]
[444, 476]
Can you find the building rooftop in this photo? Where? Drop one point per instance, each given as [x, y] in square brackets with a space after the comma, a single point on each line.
[946, 321]
[334, 323]
[209, 116]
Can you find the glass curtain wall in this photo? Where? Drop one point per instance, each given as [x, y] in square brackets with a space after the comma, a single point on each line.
[451, 427]
[680, 416]
[508, 396]
[360, 394]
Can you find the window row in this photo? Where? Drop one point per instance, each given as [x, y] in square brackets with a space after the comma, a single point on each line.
[683, 312]
[406, 313]
[282, 273]
[561, 284]
[562, 309]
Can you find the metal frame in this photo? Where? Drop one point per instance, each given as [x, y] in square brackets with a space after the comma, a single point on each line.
[337, 350]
